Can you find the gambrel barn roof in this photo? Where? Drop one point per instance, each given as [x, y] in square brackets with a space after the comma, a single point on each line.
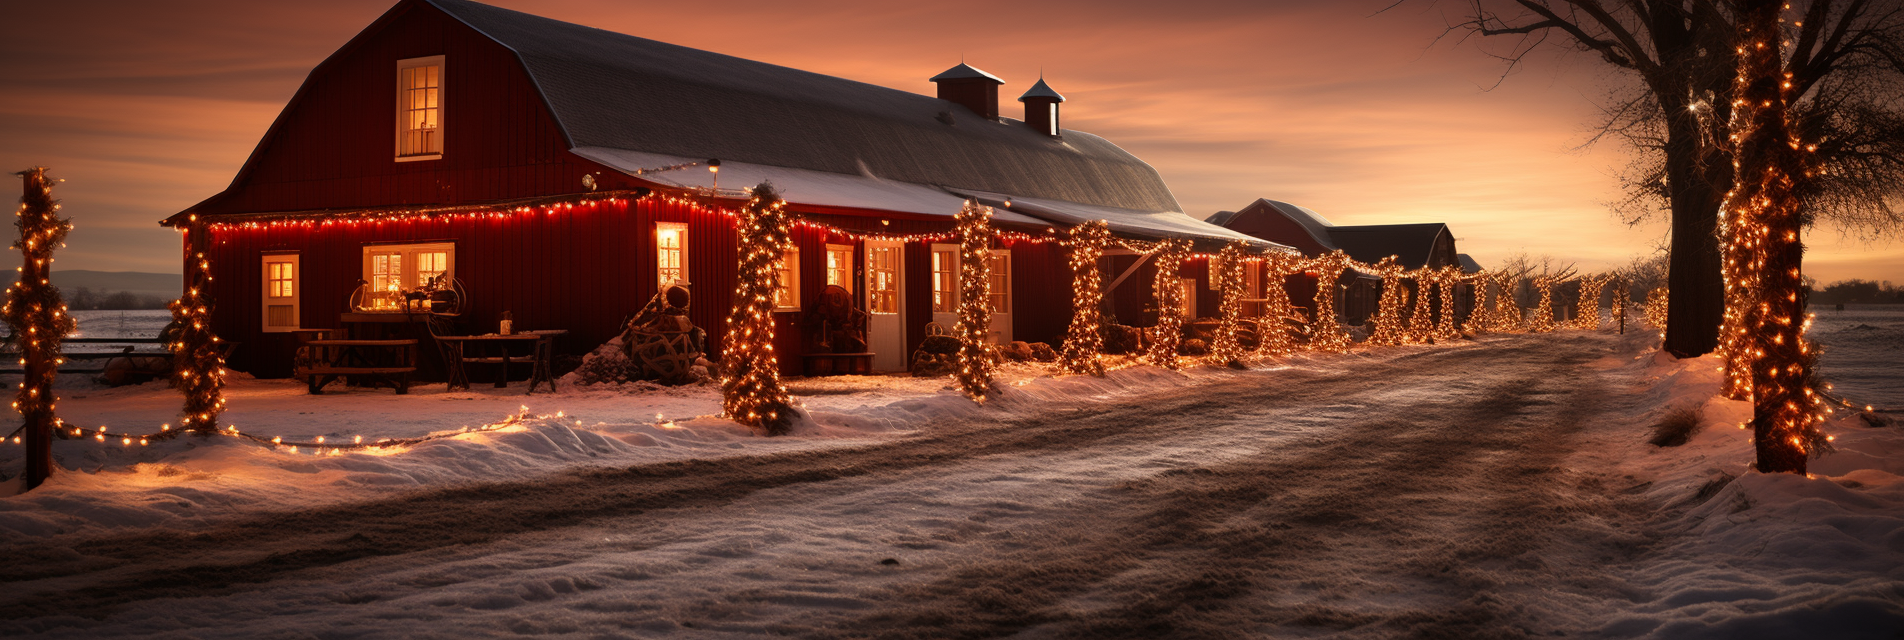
[619, 91]
[1413, 245]
[631, 103]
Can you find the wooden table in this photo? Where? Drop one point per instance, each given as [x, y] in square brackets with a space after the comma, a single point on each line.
[321, 361]
[461, 353]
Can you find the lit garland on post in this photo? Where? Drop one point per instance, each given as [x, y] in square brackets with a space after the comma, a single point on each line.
[1655, 312]
[750, 371]
[1227, 349]
[1543, 320]
[1085, 340]
[1421, 323]
[1274, 332]
[1329, 335]
[1481, 319]
[199, 368]
[1388, 314]
[1763, 216]
[975, 291]
[1167, 288]
[1445, 280]
[38, 316]
[1508, 316]
[1589, 304]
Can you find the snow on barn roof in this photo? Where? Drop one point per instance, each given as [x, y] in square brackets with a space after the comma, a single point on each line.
[1149, 225]
[617, 91]
[805, 186]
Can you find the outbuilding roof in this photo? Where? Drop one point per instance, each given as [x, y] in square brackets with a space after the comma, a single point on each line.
[617, 91]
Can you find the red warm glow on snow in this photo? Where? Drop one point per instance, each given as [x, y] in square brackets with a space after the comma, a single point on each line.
[147, 108]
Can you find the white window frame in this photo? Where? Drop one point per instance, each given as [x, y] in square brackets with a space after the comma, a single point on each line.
[1001, 257]
[409, 278]
[441, 110]
[950, 294]
[268, 300]
[681, 232]
[789, 281]
[844, 271]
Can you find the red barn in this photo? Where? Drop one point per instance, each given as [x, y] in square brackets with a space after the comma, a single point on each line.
[561, 173]
[1414, 246]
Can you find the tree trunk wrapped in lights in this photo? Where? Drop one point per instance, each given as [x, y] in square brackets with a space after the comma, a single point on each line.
[198, 366]
[750, 370]
[1763, 216]
[975, 309]
[1167, 288]
[1445, 281]
[1274, 332]
[1481, 319]
[1329, 334]
[39, 319]
[1084, 342]
[1227, 348]
[1589, 305]
[1421, 321]
[1388, 328]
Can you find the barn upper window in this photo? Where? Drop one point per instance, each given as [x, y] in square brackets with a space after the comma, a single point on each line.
[420, 109]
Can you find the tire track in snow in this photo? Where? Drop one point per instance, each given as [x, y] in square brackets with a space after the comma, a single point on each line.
[91, 576]
[1440, 505]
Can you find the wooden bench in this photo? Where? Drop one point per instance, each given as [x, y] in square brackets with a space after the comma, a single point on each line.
[834, 364]
[321, 361]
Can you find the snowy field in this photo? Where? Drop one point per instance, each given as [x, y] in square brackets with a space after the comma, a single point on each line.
[1498, 488]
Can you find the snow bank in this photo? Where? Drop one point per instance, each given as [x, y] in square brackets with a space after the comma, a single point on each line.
[190, 481]
[1760, 555]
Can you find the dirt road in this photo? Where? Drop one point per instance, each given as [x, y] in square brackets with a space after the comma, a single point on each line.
[1415, 496]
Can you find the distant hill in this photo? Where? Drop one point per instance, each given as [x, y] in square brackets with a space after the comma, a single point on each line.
[102, 283]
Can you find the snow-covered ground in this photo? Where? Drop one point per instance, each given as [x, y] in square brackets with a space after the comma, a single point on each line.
[1304, 497]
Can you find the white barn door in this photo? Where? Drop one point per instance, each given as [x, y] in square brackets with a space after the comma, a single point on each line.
[885, 302]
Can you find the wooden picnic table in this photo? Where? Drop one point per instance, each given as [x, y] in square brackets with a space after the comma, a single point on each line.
[465, 350]
[321, 361]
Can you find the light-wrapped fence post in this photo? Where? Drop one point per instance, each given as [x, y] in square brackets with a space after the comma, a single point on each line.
[751, 393]
[198, 364]
[975, 307]
[1167, 288]
[1084, 342]
[39, 321]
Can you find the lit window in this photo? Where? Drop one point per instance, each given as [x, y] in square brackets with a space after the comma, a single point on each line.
[788, 297]
[882, 279]
[280, 292]
[1000, 261]
[945, 279]
[420, 108]
[392, 269]
[671, 253]
[839, 265]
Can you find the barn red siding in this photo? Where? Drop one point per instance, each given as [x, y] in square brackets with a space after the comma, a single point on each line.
[334, 145]
[581, 269]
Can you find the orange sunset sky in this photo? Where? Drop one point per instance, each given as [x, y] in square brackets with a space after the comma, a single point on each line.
[148, 107]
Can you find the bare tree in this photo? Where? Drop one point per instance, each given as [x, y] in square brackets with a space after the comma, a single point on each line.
[1847, 65]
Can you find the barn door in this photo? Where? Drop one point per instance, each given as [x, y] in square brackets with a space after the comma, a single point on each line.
[1001, 299]
[885, 299]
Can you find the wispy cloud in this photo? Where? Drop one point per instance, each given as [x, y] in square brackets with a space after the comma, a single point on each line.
[148, 107]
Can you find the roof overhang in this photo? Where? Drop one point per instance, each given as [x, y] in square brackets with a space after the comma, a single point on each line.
[801, 186]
